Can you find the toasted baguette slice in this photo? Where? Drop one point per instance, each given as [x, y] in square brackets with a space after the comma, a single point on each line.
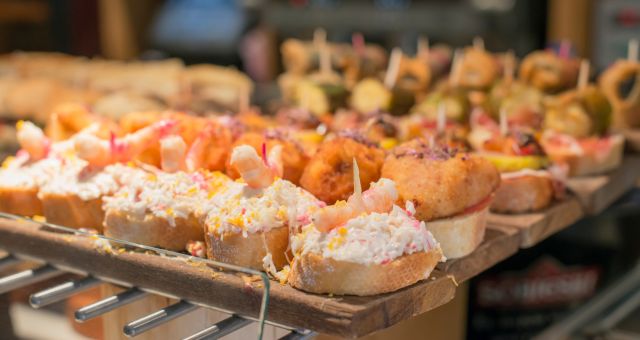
[20, 201]
[71, 211]
[590, 163]
[152, 230]
[315, 274]
[523, 194]
[460, 235]
[234, 248]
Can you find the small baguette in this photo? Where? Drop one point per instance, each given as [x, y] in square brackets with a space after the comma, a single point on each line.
[20, 201]
[234, 248]
[589, 163]
[69, 210]
[315, 274]
[460, 235]
[152, 230]
[523, 194]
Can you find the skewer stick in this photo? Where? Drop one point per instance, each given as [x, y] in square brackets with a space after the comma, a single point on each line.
[583, 76]
[325, 60]
[632, 50]
[357, 186]
[504, 125]
[441, 119]
[393, 68]
[454, 76]
[423, 48]
[478, 43]
[319, 37]
[509, 67]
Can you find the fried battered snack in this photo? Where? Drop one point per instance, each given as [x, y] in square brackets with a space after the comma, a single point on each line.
[548, 72]
[439, 181]
[329, 174]
[294, 158]
[626, 109]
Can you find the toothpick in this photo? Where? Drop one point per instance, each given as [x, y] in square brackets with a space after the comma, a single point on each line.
[244, 99]
[509, 67]
[583, 76]
[423, 48]
[504, 126]
[319, 37]
[325, 60]
[393, 68]
[441, 119]
[357, 187]
[632, 50]
[478, 43]
[455, 68]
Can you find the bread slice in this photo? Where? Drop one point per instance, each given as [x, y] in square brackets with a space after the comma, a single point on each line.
[523, 194]
[20, 201]
[249, 251]
[315, 274]
[460, 235]
[590, 163]
[72, 211]
[152, 230]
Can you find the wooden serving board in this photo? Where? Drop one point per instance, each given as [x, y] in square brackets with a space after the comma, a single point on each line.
[348, 316]
[499, 243]
[596, 193]
[534, 227]
[632, 139]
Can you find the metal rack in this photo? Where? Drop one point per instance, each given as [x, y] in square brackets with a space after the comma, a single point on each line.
[143, 324]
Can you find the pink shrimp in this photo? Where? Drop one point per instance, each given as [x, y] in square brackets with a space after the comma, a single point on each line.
[100, 152]
[172, 150]
[33, 140]
[214, 137]
[379, 198]
[255, 171]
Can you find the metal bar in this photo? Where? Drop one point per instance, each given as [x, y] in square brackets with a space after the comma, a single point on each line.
[220, 329]
[27, 277]
[106, 305]
[158, 318]
[299, 335]
[8, 261]
[61, 292]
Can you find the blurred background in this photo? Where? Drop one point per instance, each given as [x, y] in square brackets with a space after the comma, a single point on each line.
[504, 303]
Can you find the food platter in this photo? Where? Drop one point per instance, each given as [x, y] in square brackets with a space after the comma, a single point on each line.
[348, 316]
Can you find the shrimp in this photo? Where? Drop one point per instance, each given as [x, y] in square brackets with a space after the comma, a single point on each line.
[172, 150]
[33, 140]
[100, 152]
[379, 198]
[210, 148]
[255, 171]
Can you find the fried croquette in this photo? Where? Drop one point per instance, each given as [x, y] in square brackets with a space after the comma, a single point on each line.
[440, 182]
[329, 174]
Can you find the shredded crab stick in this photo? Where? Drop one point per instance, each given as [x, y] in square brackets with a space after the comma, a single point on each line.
[379, 198]
[32, 140]
[172, 154]
[100, 152]
[255, 171]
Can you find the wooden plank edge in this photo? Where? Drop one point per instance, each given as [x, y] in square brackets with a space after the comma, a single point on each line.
[340, 316]
[596, 193]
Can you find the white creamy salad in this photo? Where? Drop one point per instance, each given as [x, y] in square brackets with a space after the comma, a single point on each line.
[168, 195]
[244, 210]
[376, 238]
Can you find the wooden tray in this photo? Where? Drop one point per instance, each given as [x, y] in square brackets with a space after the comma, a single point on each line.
[532, 228]
[596, 193]
[348, 316]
